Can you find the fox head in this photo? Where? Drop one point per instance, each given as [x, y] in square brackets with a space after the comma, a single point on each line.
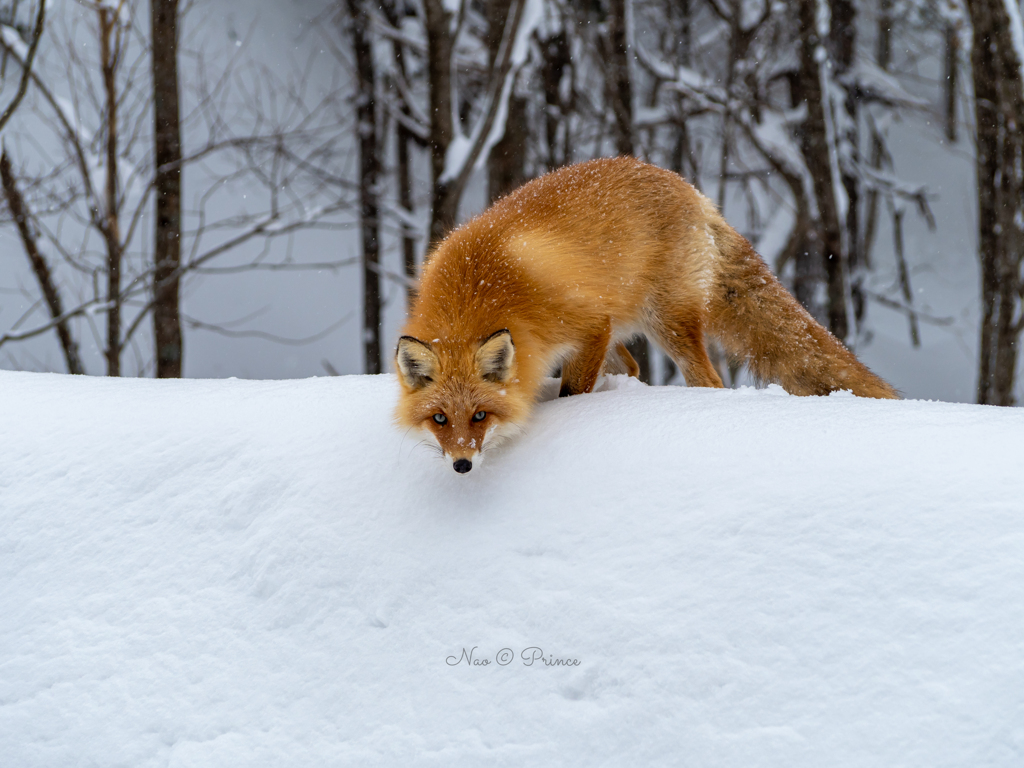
[463, 394]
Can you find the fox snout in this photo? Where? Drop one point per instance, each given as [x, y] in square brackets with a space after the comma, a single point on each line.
[462, 461]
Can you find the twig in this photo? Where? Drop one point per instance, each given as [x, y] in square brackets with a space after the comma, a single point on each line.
[885, 301]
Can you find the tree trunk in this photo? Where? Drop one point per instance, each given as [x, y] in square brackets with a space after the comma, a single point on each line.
[404, 172]
[507, 163]
[369, 179]
[843, 42]
[999, 115]
[682, 148]
[817, 146]
[619, 93]
[110, 52]
[444, 204]
[618, 84]
[951, 81]
[557, 58]
[506, 166]
[167, 184]
[404, 139]
[883, 56]
[735, 44]
[40, 267]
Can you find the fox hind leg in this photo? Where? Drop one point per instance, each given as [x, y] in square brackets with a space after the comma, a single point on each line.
[620, 361]
[683, 339]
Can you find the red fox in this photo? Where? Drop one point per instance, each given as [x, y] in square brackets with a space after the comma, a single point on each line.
[568, 267]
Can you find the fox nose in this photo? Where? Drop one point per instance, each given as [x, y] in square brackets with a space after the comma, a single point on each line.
[462, 466]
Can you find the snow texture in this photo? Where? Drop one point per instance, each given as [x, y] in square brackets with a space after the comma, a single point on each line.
[214, 573]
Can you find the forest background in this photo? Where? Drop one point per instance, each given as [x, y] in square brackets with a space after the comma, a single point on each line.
[231, 188]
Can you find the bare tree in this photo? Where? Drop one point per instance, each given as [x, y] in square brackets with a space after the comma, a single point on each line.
[167, 189]
[102, 185]
[454, 153]
[999, 114]
[16, 201]
[112, 41]
[818, 141]
[506, 163]
[740, 38]
[842, 44]
[358, 21]
[405, 139]
[613, 48]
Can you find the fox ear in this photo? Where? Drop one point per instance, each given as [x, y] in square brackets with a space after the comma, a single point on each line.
[417, 362]
[496, 356]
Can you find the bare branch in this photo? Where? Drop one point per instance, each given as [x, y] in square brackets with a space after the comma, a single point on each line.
[22, 218]
[26, 68]
[885, 301]
[95, 305]
[193, 323]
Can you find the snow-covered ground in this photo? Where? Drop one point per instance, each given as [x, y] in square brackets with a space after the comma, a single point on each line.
[237, 573]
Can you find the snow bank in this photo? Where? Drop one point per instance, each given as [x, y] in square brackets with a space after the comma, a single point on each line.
[234, 573]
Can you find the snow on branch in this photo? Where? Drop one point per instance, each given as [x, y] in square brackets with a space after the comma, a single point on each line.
[1016, 30]
[466, 152]
[878, 85]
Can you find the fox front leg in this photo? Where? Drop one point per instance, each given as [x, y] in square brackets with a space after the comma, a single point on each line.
[580, 371]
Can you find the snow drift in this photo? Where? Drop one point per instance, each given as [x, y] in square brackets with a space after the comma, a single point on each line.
[233, 573]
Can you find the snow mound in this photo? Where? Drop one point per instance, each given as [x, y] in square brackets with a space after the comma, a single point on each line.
[236, 573]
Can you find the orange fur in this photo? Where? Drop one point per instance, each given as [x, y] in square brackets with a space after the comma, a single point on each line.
[574, 263]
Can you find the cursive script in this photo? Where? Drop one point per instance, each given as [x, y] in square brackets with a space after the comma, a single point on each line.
[532, 656]
[467, 656]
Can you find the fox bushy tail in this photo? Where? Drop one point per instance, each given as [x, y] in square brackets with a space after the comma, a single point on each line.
[759, 322]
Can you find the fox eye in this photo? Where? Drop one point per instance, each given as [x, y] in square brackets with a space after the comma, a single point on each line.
[479, 415]
[440, 418]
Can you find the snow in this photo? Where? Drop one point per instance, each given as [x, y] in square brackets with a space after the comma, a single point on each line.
[207, 573]
[1016, 31]
[830, 94]
[883, 86]
[119, 7]
[13, 41]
